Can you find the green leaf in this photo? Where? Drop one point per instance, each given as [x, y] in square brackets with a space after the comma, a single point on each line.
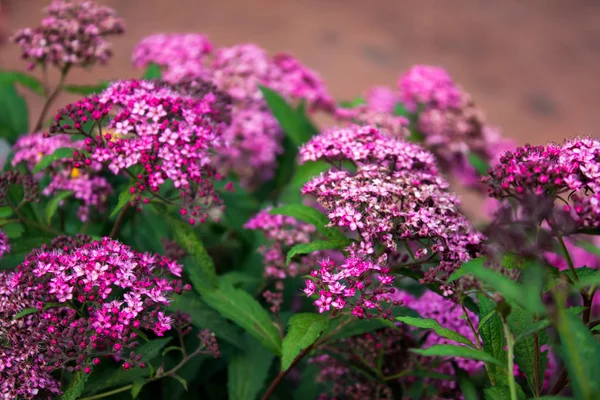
[204, 317]
[248, 372]
[526, 296]
[534, 327]
[203, 274]
[587, 281]
[355, 327]
[293, 122]
[303, 174]
[352, 103]
[317, 245]
[13, 230]
[309, 215]
[492, 335]
[581, 354]
[14, 115]
[136, 388]
[519, 321]
[181, 380]
[59, 154]
[400, 110]
[478, 163]
[6, 212]
[76, 386]
[86, 90]
[240, 307]
[304, 330]
[502, 393]
[589, 247]
[153, 72]
[52, 205]
[448, 350]
[169, 349]
[124, 198]
[29, 81]
[428, 323]
[25, 312]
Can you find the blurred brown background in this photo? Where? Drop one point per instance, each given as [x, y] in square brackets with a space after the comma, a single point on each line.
[531, 64]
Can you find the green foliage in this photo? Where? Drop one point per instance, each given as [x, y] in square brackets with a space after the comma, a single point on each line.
[427, 323]
[46, 161]
[502, 393]
[448, 350]
[248, 371]
[26, 80]
[76, 387]
[85, 90]
[14, 116]
[53, 204]
[25, 312]
[304, 330]
[152, 72]
[492, 335]
[240, 307]
[311, 216]
[317, 245]
[478, 163]
[124, 198]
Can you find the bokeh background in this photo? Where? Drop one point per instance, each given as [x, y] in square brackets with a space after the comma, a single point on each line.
[531, 64]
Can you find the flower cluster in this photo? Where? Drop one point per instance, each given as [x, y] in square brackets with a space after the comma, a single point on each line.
[4, 244]
[253, 142]
[282, 233]
[569, 173]
[66, 174]
[154, 134]
[31, 190]
[366, 115]
[395, 196]
[183, 55]
[71, 33]
[428, 85]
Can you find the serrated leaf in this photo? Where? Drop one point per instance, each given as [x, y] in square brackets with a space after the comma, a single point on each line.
[240, 307]
[478, 163]
[502, 393]
[448, 350]
[304, 330]
[59, 154]
[317, 245]
[85, 90]
[203, 273]
[124, 197]
[587, 281]
[181, 380]
[204, 317]
[136, 388]
[14, 115]
[428, 323]
[76, 386]
[29, 81]
[528, 298]
[520, 321]
[26, 311]
[581, 354]
[13, 230]
[247, 372]
[53, 204]
[309, 215]
[492, 336]
[293, 122]
[153, 72]
[533, 328]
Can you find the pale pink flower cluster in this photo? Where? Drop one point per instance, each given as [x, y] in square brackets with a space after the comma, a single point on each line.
[157, 132]
[282, 233]
[71, 33]
[65, 174]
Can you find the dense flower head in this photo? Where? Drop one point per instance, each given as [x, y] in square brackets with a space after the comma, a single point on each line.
[282, 233]
[66, 174]
[156, 135]
[382, 99]
[568, 172]
[253, 142]
[182, 54]
[71, 33]
[4, 244]
[424, 85]
[101, 294]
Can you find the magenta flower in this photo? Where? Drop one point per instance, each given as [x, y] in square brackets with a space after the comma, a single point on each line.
[71, 33]
[424, 84]
[382, 99]
[4, 244]
[66, 174]
[154, 134]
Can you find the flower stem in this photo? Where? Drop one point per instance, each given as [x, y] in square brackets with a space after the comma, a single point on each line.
[567, 257]
[510, 343]
[50, 99]
[117, 226]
